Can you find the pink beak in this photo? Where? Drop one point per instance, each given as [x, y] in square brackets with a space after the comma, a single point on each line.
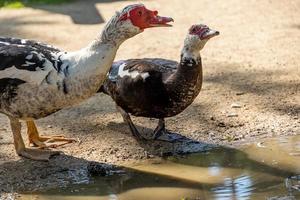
[209, 33]
[158, 21]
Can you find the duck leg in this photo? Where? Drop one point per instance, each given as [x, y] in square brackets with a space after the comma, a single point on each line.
[133, 129]
[34, 154]
[161, 133]
[45, 141]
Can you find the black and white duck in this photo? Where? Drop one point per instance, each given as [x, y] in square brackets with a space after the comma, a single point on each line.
[159, 88]
[37, 79]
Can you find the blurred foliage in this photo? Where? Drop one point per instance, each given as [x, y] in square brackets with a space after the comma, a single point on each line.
[24, 3]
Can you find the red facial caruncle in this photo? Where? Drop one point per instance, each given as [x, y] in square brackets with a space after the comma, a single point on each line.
[203, 31]
[143, 18]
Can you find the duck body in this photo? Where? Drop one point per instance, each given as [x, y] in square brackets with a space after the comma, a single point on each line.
[38, 80]
[154, 88]
[159, 88]
[26, 68]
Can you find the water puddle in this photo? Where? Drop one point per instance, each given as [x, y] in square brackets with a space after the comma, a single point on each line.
[264, 170]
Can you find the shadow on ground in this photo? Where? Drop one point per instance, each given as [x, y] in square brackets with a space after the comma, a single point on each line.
[80, 11]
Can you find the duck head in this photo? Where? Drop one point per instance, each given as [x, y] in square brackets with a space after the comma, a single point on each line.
[134, 19]
[198, 35]
[143, 18]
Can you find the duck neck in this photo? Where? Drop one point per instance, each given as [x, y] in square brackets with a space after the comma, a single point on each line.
[190, 66]
[188, 78]
[91, 64]
[88, 67]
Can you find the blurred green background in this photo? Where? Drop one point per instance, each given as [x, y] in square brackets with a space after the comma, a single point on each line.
[24, 3]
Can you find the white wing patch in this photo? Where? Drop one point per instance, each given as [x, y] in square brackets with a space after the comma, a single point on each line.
[31, 77]
[132, 74]
[5, 43]
[28, 63]
[23, 41]
[29, 57]
[145, 75]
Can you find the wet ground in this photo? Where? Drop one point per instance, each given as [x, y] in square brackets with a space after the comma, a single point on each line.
[264, 170]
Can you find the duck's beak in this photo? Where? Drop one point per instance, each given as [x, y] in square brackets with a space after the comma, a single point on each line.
[209, 33]
[159, 21]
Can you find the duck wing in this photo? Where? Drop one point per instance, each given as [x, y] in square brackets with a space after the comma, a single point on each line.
[28, 60]
[17, 41]
[164, 64]
[137, 85]
[142, 67]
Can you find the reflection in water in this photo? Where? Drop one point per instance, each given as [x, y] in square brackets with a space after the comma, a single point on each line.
[264, 171]
[239, 188]
[214, 170]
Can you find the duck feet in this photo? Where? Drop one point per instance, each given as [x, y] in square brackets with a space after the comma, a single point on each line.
[50, 141]
[160, 133]
[37, 154]
[33, 154]
[133, 129]
[45, 141]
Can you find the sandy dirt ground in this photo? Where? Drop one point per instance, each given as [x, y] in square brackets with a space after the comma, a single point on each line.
[255, 63]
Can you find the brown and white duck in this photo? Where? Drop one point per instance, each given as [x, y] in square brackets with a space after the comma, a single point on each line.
[37, 80]
[159, 88]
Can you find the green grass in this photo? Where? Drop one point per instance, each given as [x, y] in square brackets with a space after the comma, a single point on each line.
[23, 3]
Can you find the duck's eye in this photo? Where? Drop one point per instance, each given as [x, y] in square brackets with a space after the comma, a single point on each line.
[140, 13]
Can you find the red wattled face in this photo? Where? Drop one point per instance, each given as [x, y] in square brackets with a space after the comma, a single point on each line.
[198, 29]
[203, 31]
[144, 18]
[141, 17]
